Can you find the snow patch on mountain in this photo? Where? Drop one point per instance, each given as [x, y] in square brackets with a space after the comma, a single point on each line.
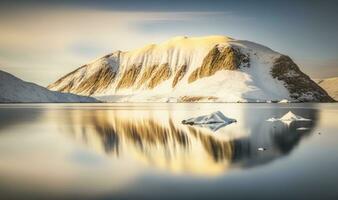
[15, 90]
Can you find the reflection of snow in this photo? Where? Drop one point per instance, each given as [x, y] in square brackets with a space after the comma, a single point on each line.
[288, 118]
[214, 121]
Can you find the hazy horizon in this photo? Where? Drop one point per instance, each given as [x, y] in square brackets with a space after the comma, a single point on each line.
[40, 42]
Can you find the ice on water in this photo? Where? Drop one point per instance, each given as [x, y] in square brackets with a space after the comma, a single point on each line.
[213, 121]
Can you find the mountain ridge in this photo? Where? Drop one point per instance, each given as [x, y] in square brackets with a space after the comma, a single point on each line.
[212, 68]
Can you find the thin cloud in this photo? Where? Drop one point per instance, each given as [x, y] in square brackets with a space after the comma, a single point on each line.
[63, 39]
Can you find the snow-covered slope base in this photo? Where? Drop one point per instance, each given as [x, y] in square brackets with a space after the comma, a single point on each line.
[330, 85]
[213, 68]
[14, 90]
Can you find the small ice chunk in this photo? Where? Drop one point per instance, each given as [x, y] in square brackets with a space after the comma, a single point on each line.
[302, 129]
[261, 149]
[284, 101]
[272, 119]
[288, 118]
[214, 121]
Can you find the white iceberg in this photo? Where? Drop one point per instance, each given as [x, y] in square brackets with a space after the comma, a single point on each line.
[214, 121]
[288, 118]
[284, 101]
[261, 149]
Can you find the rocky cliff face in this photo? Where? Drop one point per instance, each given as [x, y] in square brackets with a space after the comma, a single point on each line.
[86, 82]
[300, 86]
[228, 58]
[214, 68]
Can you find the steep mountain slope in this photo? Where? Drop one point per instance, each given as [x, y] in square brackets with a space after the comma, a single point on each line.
[13, 89]
[330, 85]
[213, 68]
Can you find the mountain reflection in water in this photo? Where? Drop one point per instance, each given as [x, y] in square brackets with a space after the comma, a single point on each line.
[157, 138]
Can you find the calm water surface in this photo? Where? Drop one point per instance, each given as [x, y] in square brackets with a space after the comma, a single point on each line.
[142, 151]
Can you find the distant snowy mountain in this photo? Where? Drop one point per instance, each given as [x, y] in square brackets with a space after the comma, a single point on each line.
[211, 69]
[330, 85]
[15, 90]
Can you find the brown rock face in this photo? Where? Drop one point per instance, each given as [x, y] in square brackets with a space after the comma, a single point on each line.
[228, 58]
[129, 77]
[299, 84]
[146, 75]
[179, 75]
[69, 87]
[196, 98]
[163, 73]
[97, 81]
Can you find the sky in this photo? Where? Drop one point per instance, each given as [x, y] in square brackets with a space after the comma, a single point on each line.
[42, 41]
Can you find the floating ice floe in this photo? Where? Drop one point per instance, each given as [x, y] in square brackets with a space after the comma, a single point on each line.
[261, 149]
[288, 118]
[214, 121]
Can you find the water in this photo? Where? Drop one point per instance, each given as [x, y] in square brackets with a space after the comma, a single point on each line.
[142, 151]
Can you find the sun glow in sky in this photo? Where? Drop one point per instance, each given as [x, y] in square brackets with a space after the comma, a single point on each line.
[40, 42]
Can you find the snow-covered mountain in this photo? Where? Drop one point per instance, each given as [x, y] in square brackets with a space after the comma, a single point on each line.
[13, 89]
[330, 85]
[182, 69]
